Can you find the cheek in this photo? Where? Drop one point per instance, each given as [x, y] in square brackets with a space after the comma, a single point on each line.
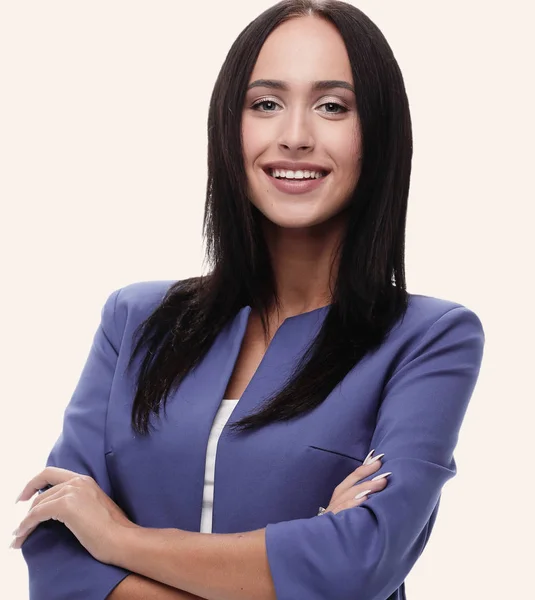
[349, 156]
[252, 140]
[344, 145]
[349, 144]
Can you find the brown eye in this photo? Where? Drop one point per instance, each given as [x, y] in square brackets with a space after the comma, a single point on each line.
[338, 108]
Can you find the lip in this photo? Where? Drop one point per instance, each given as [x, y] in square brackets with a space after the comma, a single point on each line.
[295, 166]
[295, 186]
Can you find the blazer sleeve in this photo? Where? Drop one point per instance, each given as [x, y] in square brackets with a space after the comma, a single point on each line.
[59, 567]
[366, 552]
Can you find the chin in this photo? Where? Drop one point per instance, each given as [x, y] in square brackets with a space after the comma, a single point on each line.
[286, 220]
[296, 224]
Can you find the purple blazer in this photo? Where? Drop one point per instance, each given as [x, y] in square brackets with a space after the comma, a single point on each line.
[407, 399]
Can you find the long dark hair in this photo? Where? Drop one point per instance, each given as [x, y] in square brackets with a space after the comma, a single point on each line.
[369, 294]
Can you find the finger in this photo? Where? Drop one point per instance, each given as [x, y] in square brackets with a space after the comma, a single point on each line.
[51, 492]
[27, 523]
[360, 473]
[18, 541]
[24, 530]
[353, 478]
[49, 476]
[53, 509]
[352, 503]
[348, 498]
[373, 486]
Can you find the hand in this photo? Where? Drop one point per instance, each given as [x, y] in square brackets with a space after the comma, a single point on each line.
[344, 493]
[80, 504]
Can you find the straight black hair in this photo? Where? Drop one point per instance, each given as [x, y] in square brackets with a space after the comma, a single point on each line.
[369, 294]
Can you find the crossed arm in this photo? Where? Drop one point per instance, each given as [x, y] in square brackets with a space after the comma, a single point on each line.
[136, 587]
[223, 558]
[309, 558]
[168, 563]
[213, 566]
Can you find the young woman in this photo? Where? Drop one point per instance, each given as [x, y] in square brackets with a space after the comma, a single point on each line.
[283, 371]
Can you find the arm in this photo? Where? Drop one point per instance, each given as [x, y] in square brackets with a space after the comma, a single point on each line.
[364, 552]
[59, 567]
[215, 566]
[135, 587]
[367, 552]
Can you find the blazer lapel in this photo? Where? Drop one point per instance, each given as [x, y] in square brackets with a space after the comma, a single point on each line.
[195, 405]
[245, 461]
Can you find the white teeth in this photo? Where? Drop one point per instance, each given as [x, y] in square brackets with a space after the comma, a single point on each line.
[285, 174]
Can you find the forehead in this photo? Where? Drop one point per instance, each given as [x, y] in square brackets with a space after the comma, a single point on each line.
[303, 49]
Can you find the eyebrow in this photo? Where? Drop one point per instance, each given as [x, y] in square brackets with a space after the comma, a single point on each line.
[327, 84]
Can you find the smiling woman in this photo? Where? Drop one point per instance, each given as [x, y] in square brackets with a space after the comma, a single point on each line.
[303, 333]
[300, 115]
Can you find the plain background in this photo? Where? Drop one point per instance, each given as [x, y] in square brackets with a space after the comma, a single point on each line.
[103, 170]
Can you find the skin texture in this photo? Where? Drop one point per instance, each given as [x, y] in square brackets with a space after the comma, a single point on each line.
[136, 587]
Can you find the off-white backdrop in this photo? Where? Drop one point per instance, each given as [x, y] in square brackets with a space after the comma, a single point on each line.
[103, 153]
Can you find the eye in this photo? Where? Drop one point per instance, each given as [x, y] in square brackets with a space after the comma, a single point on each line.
[257, 105]
[339, 109]
[267, 105]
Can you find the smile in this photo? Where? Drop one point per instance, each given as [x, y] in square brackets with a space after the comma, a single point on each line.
[300, 185]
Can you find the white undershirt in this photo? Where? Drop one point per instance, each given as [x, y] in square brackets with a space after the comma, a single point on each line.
[221, 418]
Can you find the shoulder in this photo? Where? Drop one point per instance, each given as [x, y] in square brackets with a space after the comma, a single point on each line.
[430, 321]
[435, 338]
[129, 306]
[142, 296]
[424, 311]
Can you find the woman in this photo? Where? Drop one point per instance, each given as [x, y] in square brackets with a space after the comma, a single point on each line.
[298, 357]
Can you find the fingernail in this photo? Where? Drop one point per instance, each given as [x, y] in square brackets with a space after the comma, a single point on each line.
[18, 498]
[376, 458]
[368, 457]
[16, 533]
[362, 494]
[381, 476]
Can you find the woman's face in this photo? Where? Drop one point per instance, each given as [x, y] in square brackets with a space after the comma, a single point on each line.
[301, 138]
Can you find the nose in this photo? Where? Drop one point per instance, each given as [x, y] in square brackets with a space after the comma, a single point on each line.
[296, 133]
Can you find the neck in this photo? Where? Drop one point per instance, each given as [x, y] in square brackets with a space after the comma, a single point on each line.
[304, 264]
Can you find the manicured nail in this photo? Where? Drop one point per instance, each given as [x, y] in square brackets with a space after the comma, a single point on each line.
[362, 494]
[375, 458]
[381, 476]
[18, 498]
[368, 457]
